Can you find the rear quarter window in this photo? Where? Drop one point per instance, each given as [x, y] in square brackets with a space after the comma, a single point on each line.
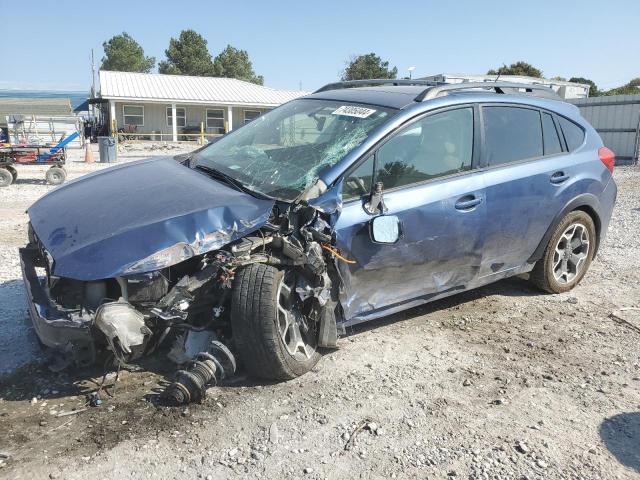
[573, 134]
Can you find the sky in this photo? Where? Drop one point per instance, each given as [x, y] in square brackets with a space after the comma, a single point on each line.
[302, 44]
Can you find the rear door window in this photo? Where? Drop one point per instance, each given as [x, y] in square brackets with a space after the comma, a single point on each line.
[511, 134]
[573, 134]
[551, 139]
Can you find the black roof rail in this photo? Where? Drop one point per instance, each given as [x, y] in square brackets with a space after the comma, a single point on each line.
[496, 87]
[376, 82]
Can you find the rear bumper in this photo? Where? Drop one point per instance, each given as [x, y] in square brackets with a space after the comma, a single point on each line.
[56, 328]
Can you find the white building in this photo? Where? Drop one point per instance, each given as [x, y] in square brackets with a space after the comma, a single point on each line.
[169, 107]
[567, 90]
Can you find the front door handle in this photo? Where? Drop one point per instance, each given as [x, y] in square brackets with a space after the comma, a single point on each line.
[468, 202]
[559, 177]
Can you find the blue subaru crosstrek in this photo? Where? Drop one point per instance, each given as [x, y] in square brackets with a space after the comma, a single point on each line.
[360, 200]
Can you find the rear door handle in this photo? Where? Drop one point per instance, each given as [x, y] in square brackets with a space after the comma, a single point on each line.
[468, 202]
[559, 177]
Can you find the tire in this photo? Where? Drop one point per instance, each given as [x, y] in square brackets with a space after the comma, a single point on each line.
[6, 178]
[56, 175]
[572, 256]
[14, 172]
[256, 331]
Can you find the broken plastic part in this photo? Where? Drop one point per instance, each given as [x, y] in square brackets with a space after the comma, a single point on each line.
[119, 320]
[207, 369]
[328, 332]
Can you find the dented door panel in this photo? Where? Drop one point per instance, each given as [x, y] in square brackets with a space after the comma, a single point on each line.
[440, 247]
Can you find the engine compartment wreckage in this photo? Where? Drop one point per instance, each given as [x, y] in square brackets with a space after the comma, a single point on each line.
[234, 243]
[189, 301]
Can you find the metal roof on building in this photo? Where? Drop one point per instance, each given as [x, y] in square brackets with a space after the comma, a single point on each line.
[42, 107]
[153, 87]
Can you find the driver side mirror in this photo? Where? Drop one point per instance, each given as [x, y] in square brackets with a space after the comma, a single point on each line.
[385, 229]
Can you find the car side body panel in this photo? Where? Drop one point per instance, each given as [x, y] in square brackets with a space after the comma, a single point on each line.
[440, 247]
[522, 204]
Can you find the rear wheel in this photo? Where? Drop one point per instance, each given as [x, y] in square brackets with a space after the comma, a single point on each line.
[272, 335]
[14, 172]
[56, 175]
[568, 254]
[6, 178]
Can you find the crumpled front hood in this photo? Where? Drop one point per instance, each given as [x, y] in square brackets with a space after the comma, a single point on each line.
[100, 225]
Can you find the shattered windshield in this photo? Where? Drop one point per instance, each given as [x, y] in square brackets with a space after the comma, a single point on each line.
[283, 152]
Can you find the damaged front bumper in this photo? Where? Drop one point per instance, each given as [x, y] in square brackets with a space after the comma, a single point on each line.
[61, 329]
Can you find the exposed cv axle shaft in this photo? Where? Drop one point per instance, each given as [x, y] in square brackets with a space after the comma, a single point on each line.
[205, 370]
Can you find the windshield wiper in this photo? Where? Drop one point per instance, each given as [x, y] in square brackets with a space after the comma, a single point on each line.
[228, 179]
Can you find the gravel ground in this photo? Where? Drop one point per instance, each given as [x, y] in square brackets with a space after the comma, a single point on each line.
[502, 382]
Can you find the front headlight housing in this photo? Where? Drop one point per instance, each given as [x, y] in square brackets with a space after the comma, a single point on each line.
[161, 259]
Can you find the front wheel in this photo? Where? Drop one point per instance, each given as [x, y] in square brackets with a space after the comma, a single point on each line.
[568, 254]
[272, 335]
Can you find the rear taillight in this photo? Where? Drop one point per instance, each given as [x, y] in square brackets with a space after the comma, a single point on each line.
[607, 157]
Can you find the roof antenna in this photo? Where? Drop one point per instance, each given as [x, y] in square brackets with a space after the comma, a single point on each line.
[499, 73]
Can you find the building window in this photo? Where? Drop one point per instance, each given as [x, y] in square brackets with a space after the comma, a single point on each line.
[133, 115]
[181, 116]
[215, 120]
[251, 115]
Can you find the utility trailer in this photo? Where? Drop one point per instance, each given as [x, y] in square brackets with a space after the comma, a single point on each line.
[54, 157]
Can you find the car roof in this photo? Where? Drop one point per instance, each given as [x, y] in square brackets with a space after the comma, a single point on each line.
[404, 96]
[384, 96]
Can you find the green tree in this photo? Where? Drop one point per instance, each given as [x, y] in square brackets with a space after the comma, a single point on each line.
[188, 55]
[235, 63]
[368, 66]
[630, 88]
[123, 54]
[518, 68]
[593, 88]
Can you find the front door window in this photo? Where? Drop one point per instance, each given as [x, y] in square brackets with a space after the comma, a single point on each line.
[435, 146]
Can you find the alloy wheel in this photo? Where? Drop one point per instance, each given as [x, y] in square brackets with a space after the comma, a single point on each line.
[292, 325]
[571, 253]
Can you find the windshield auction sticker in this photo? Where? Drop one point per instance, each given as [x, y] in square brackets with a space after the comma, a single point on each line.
[352, 111]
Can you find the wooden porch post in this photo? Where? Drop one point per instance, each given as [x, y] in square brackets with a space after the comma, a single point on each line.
[174, 123]
[229, 119]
